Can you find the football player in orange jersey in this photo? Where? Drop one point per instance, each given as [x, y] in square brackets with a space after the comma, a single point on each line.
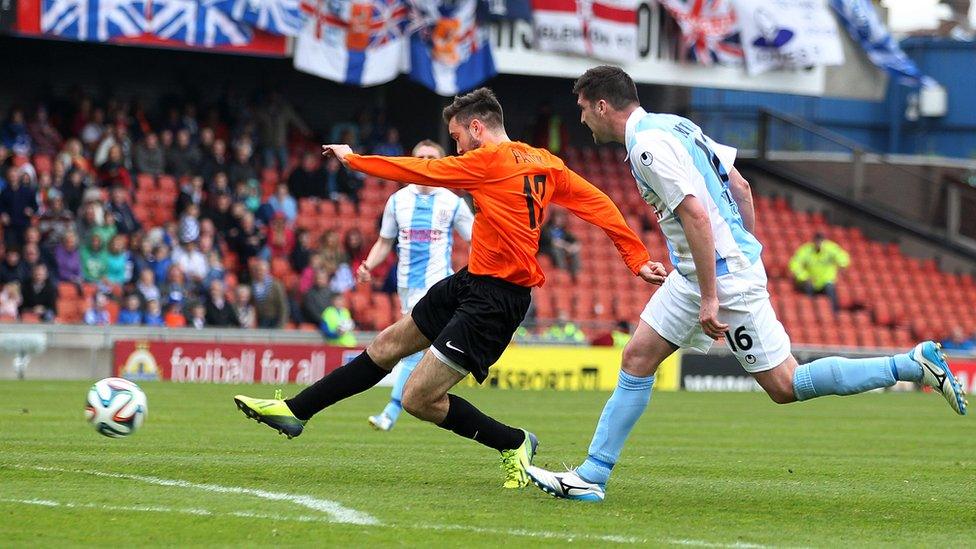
[467, 319]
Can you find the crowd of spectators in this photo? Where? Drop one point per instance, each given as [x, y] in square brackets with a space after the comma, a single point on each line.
[67, 189]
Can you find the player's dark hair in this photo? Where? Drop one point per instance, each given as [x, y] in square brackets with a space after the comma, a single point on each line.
[481, 104]
[609, 83]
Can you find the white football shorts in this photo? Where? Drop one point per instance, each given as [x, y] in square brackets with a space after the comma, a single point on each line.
[756, 338]
[409, 297]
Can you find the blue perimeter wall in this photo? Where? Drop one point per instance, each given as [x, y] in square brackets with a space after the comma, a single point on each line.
[881, 126]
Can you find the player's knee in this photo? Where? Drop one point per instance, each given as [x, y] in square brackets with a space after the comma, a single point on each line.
[637, 363]
[416, 402]
[383, 349]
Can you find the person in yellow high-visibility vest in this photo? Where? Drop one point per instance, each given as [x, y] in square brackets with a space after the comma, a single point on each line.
[565, 330]
[337, 324]
[621, 334]
[815, 266]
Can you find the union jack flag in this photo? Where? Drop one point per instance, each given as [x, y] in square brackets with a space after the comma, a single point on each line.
[709, 31]
[283, 17]
[94, 20]
[197, 23]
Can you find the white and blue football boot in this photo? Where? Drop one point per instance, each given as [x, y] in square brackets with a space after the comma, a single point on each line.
[566, 485]
[937, 375]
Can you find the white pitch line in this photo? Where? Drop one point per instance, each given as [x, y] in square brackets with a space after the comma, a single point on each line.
[159, 509]
[337, 511]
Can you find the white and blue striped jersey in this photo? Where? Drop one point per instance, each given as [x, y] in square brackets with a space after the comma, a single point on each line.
[424, 225]
[671, 158]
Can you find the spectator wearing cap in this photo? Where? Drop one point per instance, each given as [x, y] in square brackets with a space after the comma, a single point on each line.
[283, 203]
[67, 257]
[56, 220]
[18, 203]
[150, 158]
[40, 295]
[118, 263]
[45, 137]
[97, 314]
[131, 314]
[270, 299]
[94, 263]
[121, 212]
[816, 264]
[219, 312]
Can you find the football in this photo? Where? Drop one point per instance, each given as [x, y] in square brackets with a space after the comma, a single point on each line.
[116, 407]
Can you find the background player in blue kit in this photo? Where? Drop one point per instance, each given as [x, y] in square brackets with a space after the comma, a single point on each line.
[421, 221]
[717, 289]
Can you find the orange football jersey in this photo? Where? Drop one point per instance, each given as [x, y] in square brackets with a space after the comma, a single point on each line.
[512, 184]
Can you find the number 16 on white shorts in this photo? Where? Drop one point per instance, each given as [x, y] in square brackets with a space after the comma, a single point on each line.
[756, 338]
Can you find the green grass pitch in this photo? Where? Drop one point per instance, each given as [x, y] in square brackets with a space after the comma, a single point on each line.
[709, 470]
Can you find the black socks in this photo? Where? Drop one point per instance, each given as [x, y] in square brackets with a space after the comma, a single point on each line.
[469, 422]
[359, 374]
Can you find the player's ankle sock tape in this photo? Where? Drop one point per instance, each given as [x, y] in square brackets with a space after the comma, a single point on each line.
[359, 374]
[906, 369]
[836, 375]
[469, 422]
[621, 412]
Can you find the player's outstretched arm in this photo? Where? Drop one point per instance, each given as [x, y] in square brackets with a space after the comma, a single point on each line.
[698, 231]
[742, 194]
[593, 206]
[456, 172]
[381, 248]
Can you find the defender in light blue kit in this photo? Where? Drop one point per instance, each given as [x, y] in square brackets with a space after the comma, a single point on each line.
[422, 221]
[717, 289]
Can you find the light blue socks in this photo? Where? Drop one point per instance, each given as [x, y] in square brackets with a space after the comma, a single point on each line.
[845, 376]
[619, 415]
[407, 364]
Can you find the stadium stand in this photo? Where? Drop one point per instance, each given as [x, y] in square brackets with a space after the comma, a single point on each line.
[880, 304]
